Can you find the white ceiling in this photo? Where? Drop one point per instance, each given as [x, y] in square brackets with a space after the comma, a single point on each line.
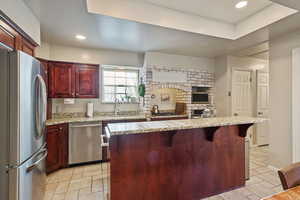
[223, 10]
[295, 4]
[60, 25]
[166, 16]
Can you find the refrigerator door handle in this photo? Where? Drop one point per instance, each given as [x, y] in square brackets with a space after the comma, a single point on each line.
[35, 164]
[41, 99]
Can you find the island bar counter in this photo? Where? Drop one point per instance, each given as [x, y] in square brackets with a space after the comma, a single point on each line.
[178, 159]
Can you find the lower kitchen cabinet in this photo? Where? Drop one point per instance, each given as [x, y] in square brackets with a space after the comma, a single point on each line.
[57, 145]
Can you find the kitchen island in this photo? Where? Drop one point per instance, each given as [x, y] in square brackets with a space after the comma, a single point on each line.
[177, 159]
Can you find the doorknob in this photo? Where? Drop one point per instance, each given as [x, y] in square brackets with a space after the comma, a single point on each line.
[235, 114]
[260, 113]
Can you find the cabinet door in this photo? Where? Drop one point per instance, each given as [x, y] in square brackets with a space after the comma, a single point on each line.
[87, 81]
[57, 145]
[64, 145]
[9, 37]
[53, 161]
[27, 47]
[61, 80]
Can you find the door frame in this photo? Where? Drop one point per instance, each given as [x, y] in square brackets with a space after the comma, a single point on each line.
[295, 125]
[256, 101]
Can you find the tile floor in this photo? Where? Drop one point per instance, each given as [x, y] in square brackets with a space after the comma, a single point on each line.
[92, 182]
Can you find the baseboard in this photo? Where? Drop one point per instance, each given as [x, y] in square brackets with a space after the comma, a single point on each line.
[273, 168]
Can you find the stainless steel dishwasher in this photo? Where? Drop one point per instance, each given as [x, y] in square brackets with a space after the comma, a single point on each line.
[85, 142]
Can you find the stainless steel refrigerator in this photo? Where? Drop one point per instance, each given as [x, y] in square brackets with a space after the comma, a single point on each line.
[22, 127]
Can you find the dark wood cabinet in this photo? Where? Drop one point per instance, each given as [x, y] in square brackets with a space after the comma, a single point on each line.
[27, 47]
[70, 80]
[61, 80]
[87, 81]
[11, 36]
[57, 145]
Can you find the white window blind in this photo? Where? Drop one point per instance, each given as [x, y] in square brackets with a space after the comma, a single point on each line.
[120, 83]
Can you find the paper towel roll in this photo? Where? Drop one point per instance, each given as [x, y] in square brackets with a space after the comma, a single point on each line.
[90, 110]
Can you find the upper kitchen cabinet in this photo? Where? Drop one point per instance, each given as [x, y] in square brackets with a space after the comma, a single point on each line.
[13, 38]
[87, 81]
[61, 80]
[9, 37]
[27, 47]
[70, 80]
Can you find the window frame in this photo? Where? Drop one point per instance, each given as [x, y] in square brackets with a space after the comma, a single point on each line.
[118, 68]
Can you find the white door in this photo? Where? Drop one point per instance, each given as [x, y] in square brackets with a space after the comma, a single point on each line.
[242, 95]
[262, 129]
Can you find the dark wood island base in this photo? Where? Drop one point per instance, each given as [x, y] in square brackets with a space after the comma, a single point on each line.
[178, 165]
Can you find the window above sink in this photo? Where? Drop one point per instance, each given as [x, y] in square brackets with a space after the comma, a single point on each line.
[120, 84]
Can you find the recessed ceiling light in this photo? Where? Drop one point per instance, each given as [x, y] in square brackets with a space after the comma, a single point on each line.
[241, 4]
[80, 37]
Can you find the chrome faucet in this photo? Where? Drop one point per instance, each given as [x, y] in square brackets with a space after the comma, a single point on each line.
[116, 107]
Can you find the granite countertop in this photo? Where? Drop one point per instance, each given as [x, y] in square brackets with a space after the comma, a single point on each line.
[104, 118]
[92, 119]
[156, 126]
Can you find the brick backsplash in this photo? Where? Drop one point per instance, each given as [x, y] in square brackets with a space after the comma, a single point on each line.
[195, 77]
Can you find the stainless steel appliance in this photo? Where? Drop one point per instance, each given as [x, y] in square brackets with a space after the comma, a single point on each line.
[200, 95]
[208, 112]
[22, 127]
[85, 142]
[247, 158]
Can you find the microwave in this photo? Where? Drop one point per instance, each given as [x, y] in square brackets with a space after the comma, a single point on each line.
[200, 98]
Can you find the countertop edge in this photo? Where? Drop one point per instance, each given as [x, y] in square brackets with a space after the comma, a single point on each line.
[94, 119]
[105, 118]
[165, 129]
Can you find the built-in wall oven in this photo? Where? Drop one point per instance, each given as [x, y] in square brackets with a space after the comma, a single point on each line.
[200, 95]
[85, 142]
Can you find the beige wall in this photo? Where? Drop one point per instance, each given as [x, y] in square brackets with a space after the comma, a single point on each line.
[178, 61]
[281, 98]
[221, 86]
[86, 55]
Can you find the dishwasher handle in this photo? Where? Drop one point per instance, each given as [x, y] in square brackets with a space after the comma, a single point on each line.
[87, 125]
[106, 135]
